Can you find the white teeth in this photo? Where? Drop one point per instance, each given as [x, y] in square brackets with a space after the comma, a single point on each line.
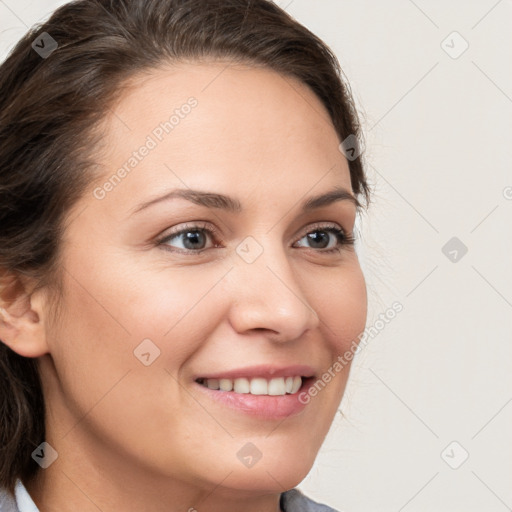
[225, 384]
[278, 386]
[297, 383]
[259, 387]
[213, 383]
[242, 386]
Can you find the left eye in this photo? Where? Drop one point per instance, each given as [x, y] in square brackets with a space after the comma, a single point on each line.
[320, 238]
[194, 238]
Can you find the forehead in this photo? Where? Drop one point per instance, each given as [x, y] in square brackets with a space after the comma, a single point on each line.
[218, 125]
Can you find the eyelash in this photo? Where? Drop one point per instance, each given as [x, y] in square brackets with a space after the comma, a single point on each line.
[342, 237]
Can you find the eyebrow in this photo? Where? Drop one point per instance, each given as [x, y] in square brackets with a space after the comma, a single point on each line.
[223, 202]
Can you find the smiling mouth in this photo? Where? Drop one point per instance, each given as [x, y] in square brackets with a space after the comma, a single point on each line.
[278, 386]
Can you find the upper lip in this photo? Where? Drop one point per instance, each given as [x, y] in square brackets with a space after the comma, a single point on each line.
[265, 371]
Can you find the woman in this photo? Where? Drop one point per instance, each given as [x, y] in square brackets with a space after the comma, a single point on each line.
[179, 287]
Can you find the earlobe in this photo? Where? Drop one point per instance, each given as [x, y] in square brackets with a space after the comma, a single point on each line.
[22, 326]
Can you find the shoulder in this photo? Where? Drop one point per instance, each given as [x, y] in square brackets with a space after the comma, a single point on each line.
[294, 501]
[7, 501]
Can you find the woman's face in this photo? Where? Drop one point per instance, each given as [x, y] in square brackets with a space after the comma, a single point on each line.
[243, 292]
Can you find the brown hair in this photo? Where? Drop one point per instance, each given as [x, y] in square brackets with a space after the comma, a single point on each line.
[50, 104]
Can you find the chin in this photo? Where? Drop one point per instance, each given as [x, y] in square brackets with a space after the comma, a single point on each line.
[263, 482]
[276, 474]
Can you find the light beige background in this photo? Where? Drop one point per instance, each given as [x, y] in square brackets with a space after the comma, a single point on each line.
[439, 137]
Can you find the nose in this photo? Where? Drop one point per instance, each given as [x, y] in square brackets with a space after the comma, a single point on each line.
[267, 296]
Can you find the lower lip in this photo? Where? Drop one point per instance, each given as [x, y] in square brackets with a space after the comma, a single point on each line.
[263, 406]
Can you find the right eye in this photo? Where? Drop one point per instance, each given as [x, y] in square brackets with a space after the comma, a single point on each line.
[193, 238]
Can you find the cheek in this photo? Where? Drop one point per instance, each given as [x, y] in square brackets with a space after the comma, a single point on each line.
[339, 297]
[341, 303]
[90, 349]
[134, 300]
[100, 382]
[342, 307]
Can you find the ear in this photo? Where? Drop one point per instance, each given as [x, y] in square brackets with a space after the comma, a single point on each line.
[22, 315]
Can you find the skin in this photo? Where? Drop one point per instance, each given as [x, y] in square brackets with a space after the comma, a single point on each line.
[133, 437]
